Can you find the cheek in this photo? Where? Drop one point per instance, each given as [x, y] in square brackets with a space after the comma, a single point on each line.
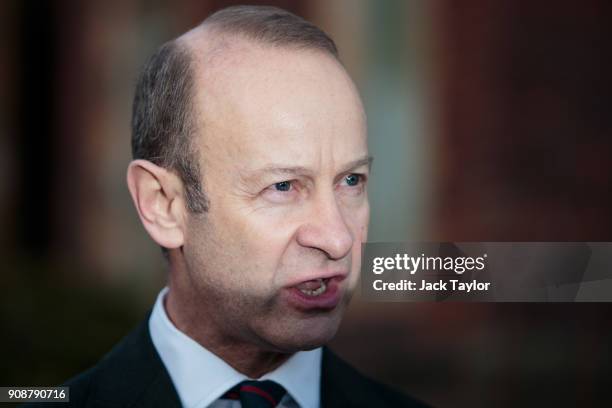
[255, 240]
[357, 220]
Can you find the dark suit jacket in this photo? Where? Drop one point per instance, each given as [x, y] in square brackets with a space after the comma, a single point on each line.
[133, 375]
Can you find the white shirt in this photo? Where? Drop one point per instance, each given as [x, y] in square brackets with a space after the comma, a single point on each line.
[201, 377]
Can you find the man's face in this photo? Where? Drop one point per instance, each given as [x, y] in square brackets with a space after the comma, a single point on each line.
[284, 164]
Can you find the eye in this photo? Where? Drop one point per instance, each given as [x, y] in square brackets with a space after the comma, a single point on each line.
[353, 179]
[283, 192]
[283, 186]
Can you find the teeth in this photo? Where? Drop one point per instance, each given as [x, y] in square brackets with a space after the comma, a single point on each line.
[316, 292]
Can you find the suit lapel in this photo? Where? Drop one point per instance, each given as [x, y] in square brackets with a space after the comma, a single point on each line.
[160, 393]
[334, 376]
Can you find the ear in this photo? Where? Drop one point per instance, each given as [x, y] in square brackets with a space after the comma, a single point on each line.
[158, 196]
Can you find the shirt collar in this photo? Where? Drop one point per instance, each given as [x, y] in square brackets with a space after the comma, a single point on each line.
[201, 377]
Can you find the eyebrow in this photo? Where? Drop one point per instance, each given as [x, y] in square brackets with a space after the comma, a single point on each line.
[366, 160]
[300, 170]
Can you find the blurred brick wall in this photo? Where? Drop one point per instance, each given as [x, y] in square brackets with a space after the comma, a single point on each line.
[525, 132]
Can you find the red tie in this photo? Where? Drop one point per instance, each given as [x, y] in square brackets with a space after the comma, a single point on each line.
[256, 394]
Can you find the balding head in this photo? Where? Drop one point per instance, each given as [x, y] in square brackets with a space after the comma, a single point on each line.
[163, 120]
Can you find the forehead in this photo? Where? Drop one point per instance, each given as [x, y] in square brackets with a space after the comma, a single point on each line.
[254, 101]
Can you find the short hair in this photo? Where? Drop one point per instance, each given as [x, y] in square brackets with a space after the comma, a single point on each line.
[163, 122]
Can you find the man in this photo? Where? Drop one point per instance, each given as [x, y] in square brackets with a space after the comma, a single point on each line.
[250, 170]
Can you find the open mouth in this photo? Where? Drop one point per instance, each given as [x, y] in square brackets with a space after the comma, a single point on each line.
[320, 294]
[314, 288]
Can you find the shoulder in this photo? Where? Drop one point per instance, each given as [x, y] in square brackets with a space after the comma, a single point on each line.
[131, 374]
[344, 386]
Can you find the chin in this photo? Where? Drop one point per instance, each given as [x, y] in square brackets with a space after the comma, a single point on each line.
[303, 334]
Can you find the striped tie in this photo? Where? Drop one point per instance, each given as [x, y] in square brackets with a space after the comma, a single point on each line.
[256, 394]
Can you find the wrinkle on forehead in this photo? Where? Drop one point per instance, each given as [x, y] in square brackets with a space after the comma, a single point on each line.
[238, 78]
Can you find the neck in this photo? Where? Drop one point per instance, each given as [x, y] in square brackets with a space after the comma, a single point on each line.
[245, 357]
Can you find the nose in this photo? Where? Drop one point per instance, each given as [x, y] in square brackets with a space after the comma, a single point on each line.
[326, 229]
